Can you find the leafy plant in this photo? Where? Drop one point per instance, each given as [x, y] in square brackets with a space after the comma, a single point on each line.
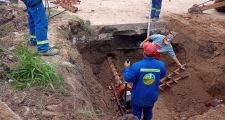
[31, 70]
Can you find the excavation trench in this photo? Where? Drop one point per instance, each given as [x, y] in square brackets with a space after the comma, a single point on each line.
[195, 95]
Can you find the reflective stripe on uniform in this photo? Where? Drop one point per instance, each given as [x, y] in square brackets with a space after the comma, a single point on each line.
[42, 42]
[157, 10]
[32, 36]
[149, 70]
[153, 8]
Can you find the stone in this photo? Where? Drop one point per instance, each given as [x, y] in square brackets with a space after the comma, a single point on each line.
[53, 107]
[83, 38]
[59, 118]
[10, 57]
[64, 53]
[27, 111]
[216, 53]
[10, 80]
[74, 41]
[47, 113]
[67, 64]
[19, 98]
[12, 48]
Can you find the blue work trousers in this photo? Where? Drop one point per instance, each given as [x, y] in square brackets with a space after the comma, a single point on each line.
[147, 112]
[38, 25]
[156, 8]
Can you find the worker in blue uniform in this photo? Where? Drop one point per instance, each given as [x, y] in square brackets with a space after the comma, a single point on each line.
[145, 76]
[156, 9]
[38, 26]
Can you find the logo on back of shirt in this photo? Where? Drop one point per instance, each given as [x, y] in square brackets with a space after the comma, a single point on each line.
[149, 79]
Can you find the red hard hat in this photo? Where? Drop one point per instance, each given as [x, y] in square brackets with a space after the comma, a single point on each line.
[150, 48]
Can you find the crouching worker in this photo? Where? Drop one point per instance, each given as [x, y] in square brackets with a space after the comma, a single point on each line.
[145, 76]
[38, 25]
[163, 44]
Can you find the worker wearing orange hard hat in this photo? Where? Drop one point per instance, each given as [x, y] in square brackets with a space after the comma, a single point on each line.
[145, 76]
[163, 44]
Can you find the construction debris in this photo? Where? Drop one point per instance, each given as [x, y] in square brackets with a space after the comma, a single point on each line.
[68, 4]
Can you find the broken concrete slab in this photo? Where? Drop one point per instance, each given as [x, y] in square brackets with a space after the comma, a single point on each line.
[110, 31]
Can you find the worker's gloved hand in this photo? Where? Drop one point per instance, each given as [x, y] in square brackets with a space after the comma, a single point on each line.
[127, 64]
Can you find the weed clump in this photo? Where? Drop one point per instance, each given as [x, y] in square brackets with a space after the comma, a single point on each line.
[31, 70]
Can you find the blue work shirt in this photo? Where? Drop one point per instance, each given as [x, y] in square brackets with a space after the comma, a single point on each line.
[158, 39]
[32, 3]
[145, 76]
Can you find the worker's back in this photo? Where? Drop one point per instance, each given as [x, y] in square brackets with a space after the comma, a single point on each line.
[31, 3]
[145, 76]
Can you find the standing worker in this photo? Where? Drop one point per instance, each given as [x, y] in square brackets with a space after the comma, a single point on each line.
[38, 25]
[156, 9]
[145, 76]
[164, 45]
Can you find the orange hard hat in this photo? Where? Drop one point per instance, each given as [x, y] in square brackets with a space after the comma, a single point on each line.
[150, 48]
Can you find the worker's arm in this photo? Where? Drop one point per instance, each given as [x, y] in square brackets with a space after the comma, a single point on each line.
[130, 73]
[142, 43]
[177, 61]
[152, 37]
[172, 54]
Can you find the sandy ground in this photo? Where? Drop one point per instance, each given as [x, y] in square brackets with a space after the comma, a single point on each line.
[111, 12]
[108, 12]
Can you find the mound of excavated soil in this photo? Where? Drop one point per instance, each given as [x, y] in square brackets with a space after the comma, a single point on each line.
[220, 9]
[217, 113]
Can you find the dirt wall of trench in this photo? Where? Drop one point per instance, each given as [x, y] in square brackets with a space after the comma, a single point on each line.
[200, 44]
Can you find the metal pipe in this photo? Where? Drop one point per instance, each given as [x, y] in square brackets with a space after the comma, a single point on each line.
[114, 71]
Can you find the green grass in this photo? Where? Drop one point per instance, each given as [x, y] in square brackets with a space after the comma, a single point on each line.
[31, 70]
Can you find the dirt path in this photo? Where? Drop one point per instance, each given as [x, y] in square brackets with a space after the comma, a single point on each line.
[111, 12]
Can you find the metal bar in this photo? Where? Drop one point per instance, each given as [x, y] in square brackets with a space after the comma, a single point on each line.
[125, 95]
[149, 19]
[114, 71]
